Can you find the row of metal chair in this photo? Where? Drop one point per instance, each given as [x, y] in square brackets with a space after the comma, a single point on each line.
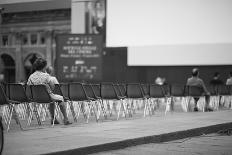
[95, 99]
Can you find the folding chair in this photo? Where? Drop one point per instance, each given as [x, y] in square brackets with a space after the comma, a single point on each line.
[122, 88]
[145, 89]
[96, 88]
[179, 91]
[158, 92]
[85, 104]
[40, 96]
[134, 93]
[122, 94]
[225, 92]
[108, 93]
[9, 109]
[99, 105]
[17, 92]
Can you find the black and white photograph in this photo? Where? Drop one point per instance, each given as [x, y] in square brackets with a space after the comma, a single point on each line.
[115, 77]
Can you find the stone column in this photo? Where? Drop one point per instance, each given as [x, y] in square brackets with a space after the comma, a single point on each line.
[19, 67]
[49, 48]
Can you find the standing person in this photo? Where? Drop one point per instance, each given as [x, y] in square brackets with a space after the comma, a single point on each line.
[196, 81]
[216, 80]
[41, 77]
[229, 80]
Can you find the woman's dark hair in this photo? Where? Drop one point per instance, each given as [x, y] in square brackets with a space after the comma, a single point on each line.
[39, 64]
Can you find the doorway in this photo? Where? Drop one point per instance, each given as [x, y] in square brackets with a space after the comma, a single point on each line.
[8, 69]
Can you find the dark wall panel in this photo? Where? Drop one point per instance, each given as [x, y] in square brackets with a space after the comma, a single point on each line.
[115, 69]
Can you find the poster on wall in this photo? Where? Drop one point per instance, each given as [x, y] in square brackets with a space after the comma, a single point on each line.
[79, 57]
[96, 17]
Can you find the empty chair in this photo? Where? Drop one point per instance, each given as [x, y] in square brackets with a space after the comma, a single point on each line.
[179, 91]
[134, 93]
[9, 109]
[122, 88]
[146, 89]
[98, 101]
[158, 92]
[16, 92]
[97, 89]
[85, 104]
[108, 93]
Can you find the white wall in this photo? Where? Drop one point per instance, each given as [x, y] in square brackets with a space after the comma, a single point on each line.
[175, 28]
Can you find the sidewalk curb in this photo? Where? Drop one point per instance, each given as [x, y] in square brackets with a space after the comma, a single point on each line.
[145, 140]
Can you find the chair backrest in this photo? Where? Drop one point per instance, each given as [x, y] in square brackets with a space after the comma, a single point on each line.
[195, 91]
[224, 90]
[122, 88]
[178, 90]
[40, 94]
[28, 92]
[64, 89]
[57, 90]
[108, 91]
[118, 90]
[97, 89]
[157, 91]
[213, 89]
[17, 92]
[3, 97]
[89, 90]
[77, 92]
[145, 88]
[134, 90]
[4, 86]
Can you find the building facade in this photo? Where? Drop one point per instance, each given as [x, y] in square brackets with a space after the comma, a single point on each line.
[24, 36]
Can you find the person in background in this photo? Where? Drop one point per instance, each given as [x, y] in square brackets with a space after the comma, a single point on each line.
[41, 77]
[229, 80]
[160, 81]
[216, 80]
[53, 79]
[196, 81]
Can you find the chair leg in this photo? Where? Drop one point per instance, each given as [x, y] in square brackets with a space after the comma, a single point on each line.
[35, 110]
[94, 108]
[30, 113]
[168, 105]
[103, 109]
[145, 108]
[10, 117]
[5, 113]
[13, 111]
[119, 110]
[72, 111]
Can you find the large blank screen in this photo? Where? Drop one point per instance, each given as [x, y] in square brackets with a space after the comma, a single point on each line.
[171, 32]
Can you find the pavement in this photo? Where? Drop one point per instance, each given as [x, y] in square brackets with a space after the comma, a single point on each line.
[110, 134]
[211, 144]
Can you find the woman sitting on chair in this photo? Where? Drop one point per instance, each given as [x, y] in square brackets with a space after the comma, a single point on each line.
[41, 77]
